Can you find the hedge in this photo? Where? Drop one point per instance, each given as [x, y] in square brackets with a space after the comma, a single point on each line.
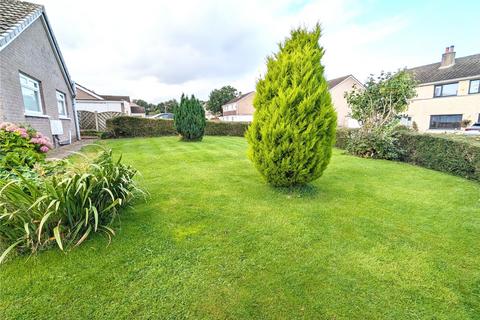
[441, 153]
[143, 127]
[431, 151]
[140, 127]
[237, 129]
[342, 137]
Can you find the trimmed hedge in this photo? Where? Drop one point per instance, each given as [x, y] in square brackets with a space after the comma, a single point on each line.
[441, 153]
[236, 129]
[142, 127]
[431, 151]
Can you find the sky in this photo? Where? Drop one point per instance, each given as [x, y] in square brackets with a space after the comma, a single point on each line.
[157, 50]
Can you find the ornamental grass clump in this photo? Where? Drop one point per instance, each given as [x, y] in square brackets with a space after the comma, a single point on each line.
[293, 129]
[64, 208]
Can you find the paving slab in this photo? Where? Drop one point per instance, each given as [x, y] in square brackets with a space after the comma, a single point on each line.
[65, 151]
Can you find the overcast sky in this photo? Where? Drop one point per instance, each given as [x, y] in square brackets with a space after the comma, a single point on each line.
[155, 50]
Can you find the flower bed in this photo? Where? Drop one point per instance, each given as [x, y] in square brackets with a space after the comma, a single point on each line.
[21, 146]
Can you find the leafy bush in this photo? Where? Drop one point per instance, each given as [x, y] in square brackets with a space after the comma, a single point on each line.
[441, 153]
[140, 127]
[343, 137]
[293, 130]
[190, 119]
[21, 146]
[63, 206]
[379, 143]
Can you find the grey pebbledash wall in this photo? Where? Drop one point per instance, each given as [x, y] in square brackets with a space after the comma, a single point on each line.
[32, 54]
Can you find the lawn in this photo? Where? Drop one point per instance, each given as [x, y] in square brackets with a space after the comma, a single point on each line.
[370, 239]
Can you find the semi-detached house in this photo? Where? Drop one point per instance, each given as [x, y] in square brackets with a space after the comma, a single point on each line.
[448, 92]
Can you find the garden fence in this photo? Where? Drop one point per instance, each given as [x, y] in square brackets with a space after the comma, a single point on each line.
[96, 120]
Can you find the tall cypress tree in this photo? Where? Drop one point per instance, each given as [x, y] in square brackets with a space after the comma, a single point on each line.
[293, 129]
[189, 118]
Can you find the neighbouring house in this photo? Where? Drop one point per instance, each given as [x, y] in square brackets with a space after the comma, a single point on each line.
[448, 92]
[239, 109]
[338, 87]
[35, 86]
[137, 111]
[89, 100]
[242, 109]
[95, 109]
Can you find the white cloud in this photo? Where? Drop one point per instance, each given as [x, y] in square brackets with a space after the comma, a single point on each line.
[158, 49]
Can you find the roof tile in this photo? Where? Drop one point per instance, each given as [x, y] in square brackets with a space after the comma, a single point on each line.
[13, 12]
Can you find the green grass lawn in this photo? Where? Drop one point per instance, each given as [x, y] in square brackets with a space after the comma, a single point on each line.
[370, 239]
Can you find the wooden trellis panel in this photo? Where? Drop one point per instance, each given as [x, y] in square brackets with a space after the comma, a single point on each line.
[96, 120]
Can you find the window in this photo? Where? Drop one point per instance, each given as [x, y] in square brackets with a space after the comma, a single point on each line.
[447, 121]
[61, 104]
[446, 90]
[31, 95]
[474, 86]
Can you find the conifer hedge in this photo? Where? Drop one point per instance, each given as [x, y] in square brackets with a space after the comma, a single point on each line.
[293, 130]
[189, 119]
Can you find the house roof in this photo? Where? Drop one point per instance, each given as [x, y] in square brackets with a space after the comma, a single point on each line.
[17, 16]
[240, 97]
[135, 108]
[464, 67]
[92, 95]
[115, 98]
[13, 13]
[335, 82]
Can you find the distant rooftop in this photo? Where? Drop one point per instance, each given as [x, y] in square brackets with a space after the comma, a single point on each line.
[240, 97]
[449, 68]
[335, 82]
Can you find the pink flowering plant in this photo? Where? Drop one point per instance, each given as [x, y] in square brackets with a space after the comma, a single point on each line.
[21, 146]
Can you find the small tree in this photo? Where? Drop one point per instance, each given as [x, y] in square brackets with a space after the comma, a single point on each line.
[219, 97]
[189, 119]
[377, 107]
[293, 129]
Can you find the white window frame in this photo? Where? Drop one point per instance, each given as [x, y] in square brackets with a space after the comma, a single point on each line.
[441, 86]
[36, 89]
[62, 98]
[470, 86]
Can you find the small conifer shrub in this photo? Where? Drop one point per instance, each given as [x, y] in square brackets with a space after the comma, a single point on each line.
[189, 119]
[293, 129]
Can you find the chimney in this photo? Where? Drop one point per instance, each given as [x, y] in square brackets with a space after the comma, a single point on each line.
[448, 58]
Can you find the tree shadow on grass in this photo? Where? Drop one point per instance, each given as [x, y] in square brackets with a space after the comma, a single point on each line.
[300, 191]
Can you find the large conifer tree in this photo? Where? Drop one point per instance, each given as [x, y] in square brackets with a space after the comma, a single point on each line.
[189, 118]
[293, 129]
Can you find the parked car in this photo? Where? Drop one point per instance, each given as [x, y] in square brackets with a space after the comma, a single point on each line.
[167, 116]
[474, 129]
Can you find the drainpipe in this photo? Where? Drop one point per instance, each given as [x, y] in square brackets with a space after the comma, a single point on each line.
[75, 115]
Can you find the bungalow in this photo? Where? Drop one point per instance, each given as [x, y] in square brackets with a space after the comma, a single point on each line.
[448, 93]
[89, 100]
[35, 86]
[242, 109]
